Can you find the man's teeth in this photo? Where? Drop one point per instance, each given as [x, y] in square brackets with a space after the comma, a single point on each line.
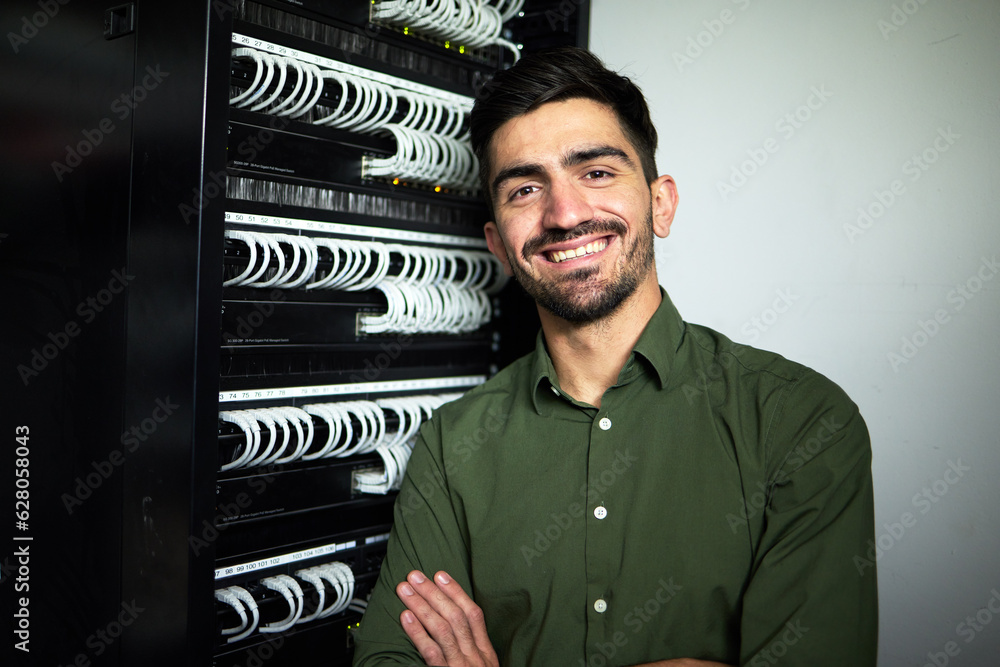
[589, 249]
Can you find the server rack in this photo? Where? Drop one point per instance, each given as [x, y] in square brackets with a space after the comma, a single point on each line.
[134, 190]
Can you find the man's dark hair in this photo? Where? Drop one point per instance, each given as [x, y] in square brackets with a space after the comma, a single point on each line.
[552, 75]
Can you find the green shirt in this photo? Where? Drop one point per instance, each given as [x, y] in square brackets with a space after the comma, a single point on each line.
[715, 507]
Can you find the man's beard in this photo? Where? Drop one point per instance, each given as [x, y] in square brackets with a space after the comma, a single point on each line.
[580, 296]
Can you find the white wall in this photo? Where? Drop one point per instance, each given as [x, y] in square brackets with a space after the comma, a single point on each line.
[789, 233]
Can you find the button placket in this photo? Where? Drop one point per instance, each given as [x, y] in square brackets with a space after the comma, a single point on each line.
[601, 535]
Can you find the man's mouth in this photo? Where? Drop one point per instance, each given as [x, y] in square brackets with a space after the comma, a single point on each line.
[557, 256]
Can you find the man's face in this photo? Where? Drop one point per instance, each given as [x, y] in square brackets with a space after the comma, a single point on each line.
[574, 213]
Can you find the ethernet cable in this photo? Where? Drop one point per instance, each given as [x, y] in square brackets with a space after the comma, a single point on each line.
[251, 429]
[292, 592]
[226, 596]
[251, 604]
[309, 576]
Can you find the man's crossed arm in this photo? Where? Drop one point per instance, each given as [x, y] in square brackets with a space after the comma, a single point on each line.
[449, 629]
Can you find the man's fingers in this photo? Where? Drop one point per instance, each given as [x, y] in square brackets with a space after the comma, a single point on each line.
[443, 622]
[448, 616]
[439, 617]
[473, 613]
[428, 648]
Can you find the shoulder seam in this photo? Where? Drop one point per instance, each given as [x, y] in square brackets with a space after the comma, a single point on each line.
[736, 358]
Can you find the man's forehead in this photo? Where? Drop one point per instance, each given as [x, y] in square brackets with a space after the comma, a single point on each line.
[555, 131]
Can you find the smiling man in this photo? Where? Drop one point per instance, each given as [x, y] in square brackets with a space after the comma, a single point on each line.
[638, 490]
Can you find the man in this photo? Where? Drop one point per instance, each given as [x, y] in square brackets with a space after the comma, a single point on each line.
[639, 489]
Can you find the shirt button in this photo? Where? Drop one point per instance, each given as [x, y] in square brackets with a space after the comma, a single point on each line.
[600, 606]
[600, 512]
[605, 423]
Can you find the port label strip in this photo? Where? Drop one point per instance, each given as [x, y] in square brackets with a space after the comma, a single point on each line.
[284, 559]
[386, 233]
[351, 388]
[463, 101]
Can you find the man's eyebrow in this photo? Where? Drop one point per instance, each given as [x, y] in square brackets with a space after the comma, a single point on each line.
[571, 159]
[516, 171]
[587, 154]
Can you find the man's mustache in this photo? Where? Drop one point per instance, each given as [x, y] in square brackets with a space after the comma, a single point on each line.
[553, 236]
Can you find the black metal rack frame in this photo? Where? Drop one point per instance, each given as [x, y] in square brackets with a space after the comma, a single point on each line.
[114, 152]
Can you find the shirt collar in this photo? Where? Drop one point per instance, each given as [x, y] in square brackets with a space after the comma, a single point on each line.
[657, 345]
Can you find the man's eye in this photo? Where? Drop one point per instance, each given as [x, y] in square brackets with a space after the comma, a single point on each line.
[523, 192]
[598, 174]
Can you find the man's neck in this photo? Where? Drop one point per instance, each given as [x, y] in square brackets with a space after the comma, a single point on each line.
[588, 357]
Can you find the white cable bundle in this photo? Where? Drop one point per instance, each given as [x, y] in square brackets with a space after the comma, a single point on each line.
[471, 23]
[342, 440]
[267, 268]
[305, 93]
[427, 297]
[443, 308]
[236, 597]
[431, 146]
[359, 265]
[341, 580]
[338, 575]
[427, 158]
[395, 452]
[286, 418]
[437, 290]
[292, 592]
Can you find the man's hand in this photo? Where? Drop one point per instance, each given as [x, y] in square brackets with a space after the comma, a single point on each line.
[443, 623]
[683, 662]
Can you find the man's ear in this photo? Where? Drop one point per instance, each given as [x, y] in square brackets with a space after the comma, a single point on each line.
[496, 245]
[663, 192]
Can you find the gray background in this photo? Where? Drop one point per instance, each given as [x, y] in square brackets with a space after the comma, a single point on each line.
[783, 262]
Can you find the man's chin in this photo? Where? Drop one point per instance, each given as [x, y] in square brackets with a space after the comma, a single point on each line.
[580, 296]
[580, 309]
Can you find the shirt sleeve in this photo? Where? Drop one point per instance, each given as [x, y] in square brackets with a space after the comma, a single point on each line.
[426, 535]
[811, 600]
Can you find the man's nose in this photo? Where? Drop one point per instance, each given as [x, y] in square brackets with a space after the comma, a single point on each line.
[566, 206]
